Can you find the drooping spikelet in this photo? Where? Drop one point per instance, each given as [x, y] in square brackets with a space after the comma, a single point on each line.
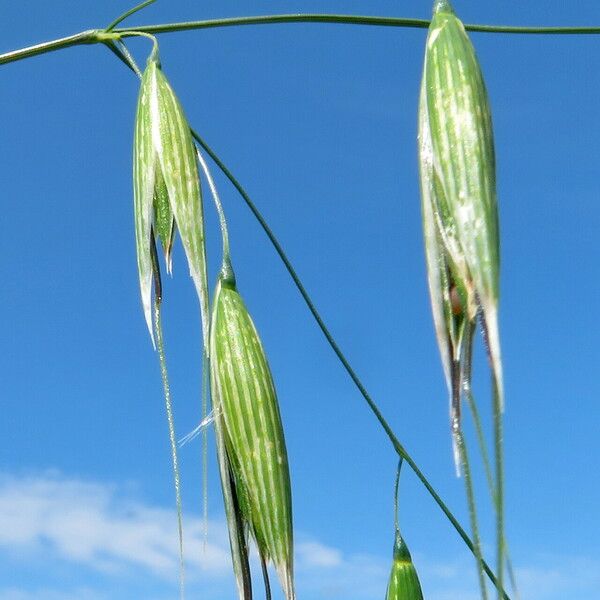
[166, 186]
[458, 189]
[404, 582]
[250, 441]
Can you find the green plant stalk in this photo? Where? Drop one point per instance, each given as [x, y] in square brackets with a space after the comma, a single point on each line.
[265, 574]
[398, 447]
[96, 36]
[227, 270]
[466, 468]
[396, 490]
[204, 410]
[128, 13]
[226, 267]
[172, 437]
[498, 452]
[489, 476]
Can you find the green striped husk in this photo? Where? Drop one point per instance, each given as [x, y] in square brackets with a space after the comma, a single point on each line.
[166, 187]
[404, 582]
[458, 190]
[250, 442]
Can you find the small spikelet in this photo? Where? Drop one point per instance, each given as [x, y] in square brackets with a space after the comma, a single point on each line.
[254, 470]
[144, 177]
[164, 223]
[458, 190]
[404, 582]
[167, 186]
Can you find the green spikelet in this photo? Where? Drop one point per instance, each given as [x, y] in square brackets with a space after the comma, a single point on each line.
[404, 582]
[254, 465]
[164, 223]
[458, 190]
[166, 186]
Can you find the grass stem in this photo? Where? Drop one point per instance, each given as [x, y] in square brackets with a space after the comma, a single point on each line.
[466, 468]
[398, 447]
[95, 36]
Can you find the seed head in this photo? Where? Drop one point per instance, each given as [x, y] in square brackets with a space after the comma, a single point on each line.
[404, 582]
[458, 190]
[166, 186]
[254, 468]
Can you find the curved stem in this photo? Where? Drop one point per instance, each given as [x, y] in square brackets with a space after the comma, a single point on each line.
[287, 18]
[220, 211]
[128, 13]
[396, 488]
[95, 36]
[358, 20]
[398, 447]
[136, 33]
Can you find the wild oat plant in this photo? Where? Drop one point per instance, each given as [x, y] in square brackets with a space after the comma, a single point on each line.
[462, 249]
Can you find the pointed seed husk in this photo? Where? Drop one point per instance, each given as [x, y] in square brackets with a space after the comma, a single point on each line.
[165, 167]
[458, 187]
[252, 433]
[404, 582]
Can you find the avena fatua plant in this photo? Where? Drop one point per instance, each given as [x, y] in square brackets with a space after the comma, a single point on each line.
[462, 248]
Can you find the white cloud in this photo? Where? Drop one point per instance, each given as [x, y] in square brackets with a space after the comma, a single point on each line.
[564, 577]
[315, 554]
[92, 524]
[103, 528]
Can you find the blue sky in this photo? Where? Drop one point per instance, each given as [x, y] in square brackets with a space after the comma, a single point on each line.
[319, 123]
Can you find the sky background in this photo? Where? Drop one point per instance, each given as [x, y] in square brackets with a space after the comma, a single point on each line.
[319, 123]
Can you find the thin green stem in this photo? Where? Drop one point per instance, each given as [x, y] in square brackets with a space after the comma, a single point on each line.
[136, 33]
[173, 438]
[226, 268]
[468, 392]
[398, 447]
[466, 467]
[85, 37]
[498, 452]
[481, 441]
[357, 20]
[337, 19]
[204, 394]
[95, 36]
[396, 489]
[128, 13]
[169, 408]
[265, 574]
